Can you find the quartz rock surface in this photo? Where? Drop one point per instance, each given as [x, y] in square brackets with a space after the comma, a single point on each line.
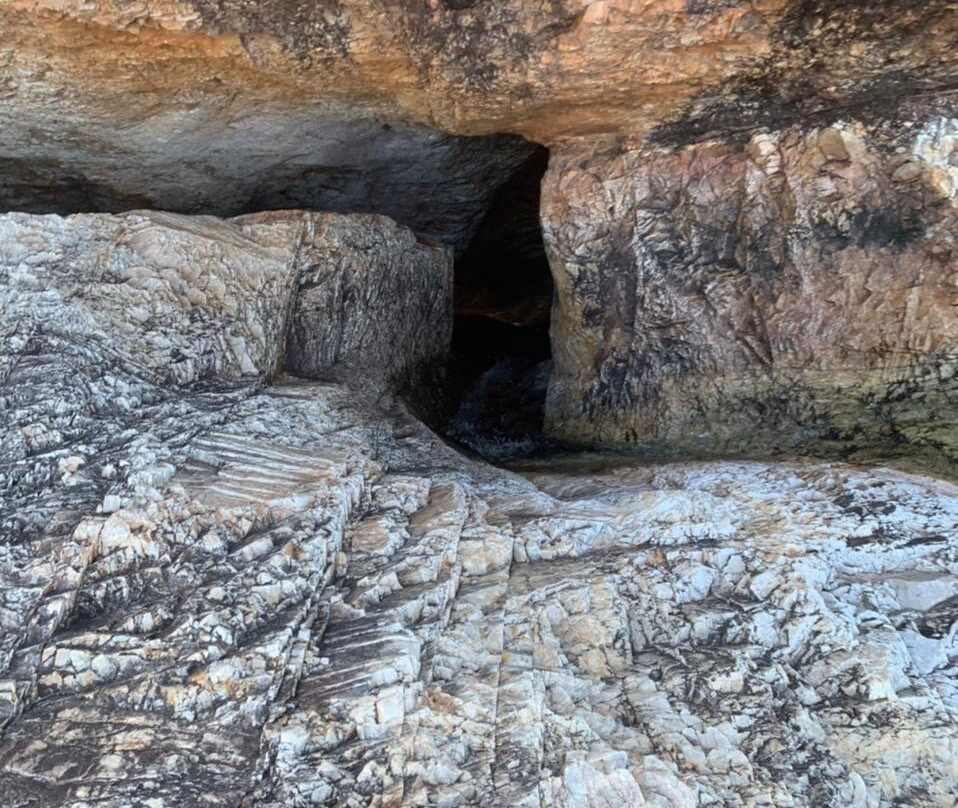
[292, 599]
[190, 301]
[788, 288]
[230, 594]
[183, 300]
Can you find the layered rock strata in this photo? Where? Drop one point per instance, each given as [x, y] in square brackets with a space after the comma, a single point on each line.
[789, 288]
[223, 584]
[188, 301]
[218, 594]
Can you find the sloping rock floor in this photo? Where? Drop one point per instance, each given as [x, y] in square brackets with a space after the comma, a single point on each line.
[225, 594]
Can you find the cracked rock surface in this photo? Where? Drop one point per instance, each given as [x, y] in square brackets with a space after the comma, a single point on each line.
[219, 593]
[783, 289]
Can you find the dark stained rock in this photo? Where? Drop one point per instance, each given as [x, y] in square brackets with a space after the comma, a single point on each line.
[795, 291]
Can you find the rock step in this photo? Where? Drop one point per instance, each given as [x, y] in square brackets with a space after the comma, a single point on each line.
[231, 471]
[366, 671]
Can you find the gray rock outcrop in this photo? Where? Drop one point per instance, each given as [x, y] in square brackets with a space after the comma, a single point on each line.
[372, 301]
[237, 572]
[193, 300]
[219, 594]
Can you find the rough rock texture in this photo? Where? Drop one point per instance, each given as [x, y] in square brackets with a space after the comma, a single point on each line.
[222, 595]
[221, 106]
[373, 300]
[224, 585]
[773, 291]
[192, 301]
[399, 107]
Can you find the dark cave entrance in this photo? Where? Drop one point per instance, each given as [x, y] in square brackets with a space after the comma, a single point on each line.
[501, 357]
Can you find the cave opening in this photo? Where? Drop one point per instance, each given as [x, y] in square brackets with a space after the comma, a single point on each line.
[503, 291]
[489, 397]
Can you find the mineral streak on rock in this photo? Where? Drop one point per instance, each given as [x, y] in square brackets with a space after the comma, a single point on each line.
[796, 288]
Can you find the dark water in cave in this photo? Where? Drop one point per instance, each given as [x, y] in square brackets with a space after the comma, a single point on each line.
[500, 363]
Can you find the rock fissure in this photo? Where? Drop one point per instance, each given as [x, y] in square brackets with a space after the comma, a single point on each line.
[503, 295]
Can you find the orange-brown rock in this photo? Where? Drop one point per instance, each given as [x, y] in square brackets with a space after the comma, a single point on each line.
[224, 106]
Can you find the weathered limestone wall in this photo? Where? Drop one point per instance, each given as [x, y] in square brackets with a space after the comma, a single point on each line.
[759, 293]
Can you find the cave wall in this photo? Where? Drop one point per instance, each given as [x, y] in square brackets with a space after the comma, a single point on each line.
[696, 229]
[226, 107]
[763, 292]
[197, 158]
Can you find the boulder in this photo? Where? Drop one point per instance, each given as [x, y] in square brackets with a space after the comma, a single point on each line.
[192, 301]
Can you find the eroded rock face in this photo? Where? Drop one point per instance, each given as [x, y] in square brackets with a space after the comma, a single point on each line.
[548, 70]
[194, 300]
[223, 107]
[790, 288]
[224, 585]
[709, 121]
[221, 595]
[183, 300]
[373, 301]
